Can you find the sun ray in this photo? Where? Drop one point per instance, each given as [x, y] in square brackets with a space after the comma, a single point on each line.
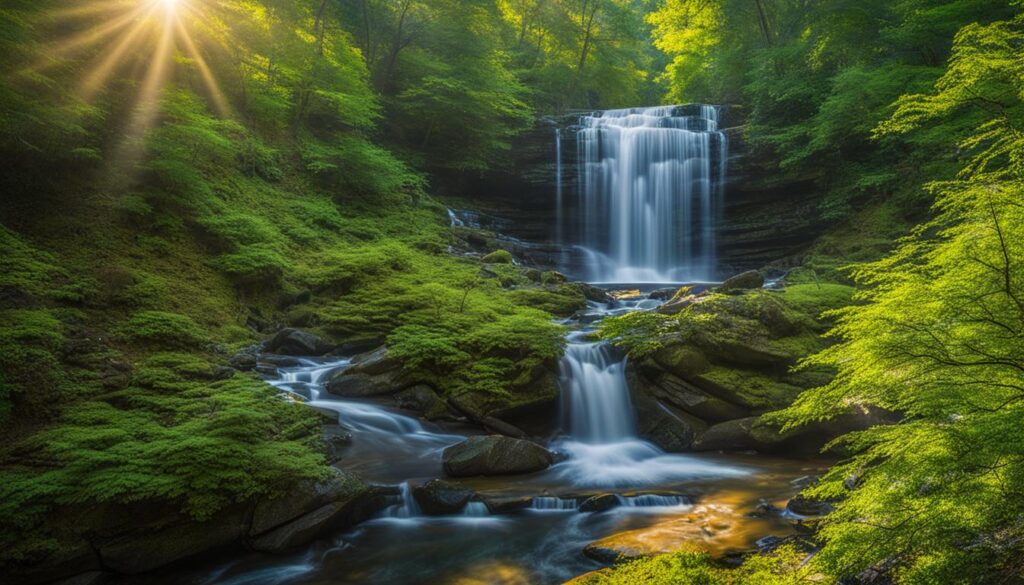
[88, 38]
[102, 72]
[90, 10]
[219, 100]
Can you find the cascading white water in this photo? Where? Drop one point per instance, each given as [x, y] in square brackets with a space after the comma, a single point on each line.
[596, 401]
[651, 182]
[602, 442]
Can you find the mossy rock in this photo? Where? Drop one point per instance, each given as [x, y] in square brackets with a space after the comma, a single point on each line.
[498, 257]
[682, 360]
[752, 389]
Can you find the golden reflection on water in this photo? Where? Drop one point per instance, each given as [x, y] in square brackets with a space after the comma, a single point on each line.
[719, 523]
[493, 572]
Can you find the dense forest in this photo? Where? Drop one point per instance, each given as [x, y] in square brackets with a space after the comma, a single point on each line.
[189, 182]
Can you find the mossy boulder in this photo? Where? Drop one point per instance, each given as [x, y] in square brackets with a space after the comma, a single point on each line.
[682, 360]
[296, 342]
[742, 281]
[374, 373]
[498, 257]
[495, 455]
[757, 434]
[748, 388]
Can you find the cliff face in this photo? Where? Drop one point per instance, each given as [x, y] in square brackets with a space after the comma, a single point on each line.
[765, 219]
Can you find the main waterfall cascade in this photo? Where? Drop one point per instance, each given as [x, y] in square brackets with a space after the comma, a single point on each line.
[651, 183]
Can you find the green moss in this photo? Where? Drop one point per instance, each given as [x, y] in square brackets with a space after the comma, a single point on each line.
[815, 299]
[163, 328]
[498, 257]
[750, 388]
[253, 264]
[782, 567]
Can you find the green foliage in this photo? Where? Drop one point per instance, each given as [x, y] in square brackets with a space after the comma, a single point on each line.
[815, 80]
[938, 340]
[174, 436]
[782, 567]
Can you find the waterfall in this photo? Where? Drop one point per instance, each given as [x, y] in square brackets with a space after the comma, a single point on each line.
[596, 396]
[601, 441]
[558, 185]
[651, 181]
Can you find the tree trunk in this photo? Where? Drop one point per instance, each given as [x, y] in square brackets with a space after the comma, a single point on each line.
[762, 20]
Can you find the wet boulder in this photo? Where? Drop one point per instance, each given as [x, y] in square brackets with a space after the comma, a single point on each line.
[506, 504]
[495, 455]
[291, 341]
[374, 373]
[341, 486]
[310, 511]
[438, 497]
[599, 503]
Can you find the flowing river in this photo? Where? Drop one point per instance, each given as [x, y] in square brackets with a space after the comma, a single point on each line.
[665, 500]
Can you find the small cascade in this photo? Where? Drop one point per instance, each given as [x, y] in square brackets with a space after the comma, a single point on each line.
[596, 395]
[653, 501]
[476, 510]
[402, 505]
[602, 443]
[651, 184]
[553, 504]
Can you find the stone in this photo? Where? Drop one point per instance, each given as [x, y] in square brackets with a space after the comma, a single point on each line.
[244, 361]
[145, 551]
[302, 530]
[72, 560]
[672, 431]
[357, 384]
[506, 504]
[376, 361]
[308, 496]
[495, 455]
[693, 400]
[295, 342]
[439, 497]
[803, 506]
[424, 400]
[743, 281]
[593, 293]
[662, 294]
[681, 359]
[89, 578]
[751, 433]
[599, 503]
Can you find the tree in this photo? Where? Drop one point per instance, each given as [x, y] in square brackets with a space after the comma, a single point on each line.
[940, 339]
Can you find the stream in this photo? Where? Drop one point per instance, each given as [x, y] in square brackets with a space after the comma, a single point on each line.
[665, 500]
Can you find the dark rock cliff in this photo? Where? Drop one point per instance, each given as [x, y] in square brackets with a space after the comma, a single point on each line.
[766, 217]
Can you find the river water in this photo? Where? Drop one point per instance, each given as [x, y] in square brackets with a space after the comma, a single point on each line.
[666, 500]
